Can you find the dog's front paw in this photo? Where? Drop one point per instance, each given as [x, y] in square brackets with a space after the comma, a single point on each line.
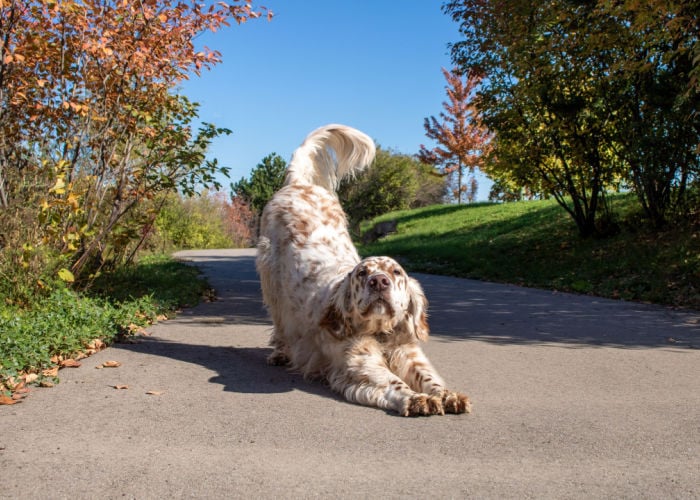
[456, 402]
[277, 358]
[423, 404]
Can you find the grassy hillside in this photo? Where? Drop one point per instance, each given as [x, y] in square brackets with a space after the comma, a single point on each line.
[536, 244]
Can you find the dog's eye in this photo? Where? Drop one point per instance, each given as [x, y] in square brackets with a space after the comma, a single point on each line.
[397, 271]
[362, 273]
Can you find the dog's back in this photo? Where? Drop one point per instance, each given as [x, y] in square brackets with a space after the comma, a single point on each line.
[304, 246]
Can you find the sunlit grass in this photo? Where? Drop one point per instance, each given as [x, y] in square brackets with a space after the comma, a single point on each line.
[64, 323]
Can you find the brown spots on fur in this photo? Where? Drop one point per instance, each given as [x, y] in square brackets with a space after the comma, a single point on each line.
[306, 193]
[364, 341]
[300, 230]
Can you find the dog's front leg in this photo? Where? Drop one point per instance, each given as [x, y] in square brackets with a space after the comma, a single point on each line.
[412, 365]
[365, 378]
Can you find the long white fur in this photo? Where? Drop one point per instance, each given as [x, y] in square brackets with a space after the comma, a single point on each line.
[315, 285]
[328, 154]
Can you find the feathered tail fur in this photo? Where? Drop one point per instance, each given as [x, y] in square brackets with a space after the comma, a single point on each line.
[328, 154]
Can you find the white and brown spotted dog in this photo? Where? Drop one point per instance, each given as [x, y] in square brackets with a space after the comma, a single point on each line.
[355, 323]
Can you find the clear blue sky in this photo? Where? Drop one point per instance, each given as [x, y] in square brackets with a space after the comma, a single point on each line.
[371, 64]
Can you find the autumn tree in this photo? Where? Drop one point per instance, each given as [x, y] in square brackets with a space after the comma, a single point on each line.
[461, 137]
[239, 222]
[90, 126]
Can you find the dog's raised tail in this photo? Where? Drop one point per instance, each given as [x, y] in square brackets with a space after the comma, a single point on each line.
[328, 154]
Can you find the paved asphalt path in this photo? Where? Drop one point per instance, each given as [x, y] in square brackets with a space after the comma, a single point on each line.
[574, 397]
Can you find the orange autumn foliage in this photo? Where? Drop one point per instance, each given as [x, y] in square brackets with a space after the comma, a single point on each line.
[90, 126]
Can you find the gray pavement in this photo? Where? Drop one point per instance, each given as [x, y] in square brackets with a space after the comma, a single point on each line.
[574, 397]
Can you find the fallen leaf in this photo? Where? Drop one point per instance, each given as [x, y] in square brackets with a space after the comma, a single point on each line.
[50, 372]
[135, 329]
[111, 364]
[4, 400]
[120, 386]
[96, 344]
[31, 377]
[154, 393]
[46, 383]
[69, 363]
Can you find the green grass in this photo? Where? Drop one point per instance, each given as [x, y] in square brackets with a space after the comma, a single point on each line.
[64, 323]
[536, 244]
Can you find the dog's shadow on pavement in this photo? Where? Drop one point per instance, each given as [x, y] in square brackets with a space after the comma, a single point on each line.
[237, 369]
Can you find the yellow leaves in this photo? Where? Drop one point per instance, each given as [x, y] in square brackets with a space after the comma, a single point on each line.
[77, 107]
[59, 187]
[65, 275]
[73, 201]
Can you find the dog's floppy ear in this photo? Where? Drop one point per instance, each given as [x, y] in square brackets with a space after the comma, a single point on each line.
[416, 319]
[336, 317]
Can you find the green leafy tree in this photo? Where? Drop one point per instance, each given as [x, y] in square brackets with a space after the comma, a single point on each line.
[265, 179]
[586, 96]
[393, 182]
[657, 121]
[193, 222]
[542, 96]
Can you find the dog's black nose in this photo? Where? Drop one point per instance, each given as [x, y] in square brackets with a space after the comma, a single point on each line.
[379, 282]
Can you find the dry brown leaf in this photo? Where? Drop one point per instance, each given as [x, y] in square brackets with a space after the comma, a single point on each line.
[69, 363]
[4, 400]
[46, 383]
[120, 387]
[96, 344]
[30, 377]
[10, 382]
[111, 364]
[50, 372]
[134, 328]
[154, 393]
[55, 359]
[81, 355]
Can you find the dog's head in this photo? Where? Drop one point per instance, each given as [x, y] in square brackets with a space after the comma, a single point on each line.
[377, 297]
